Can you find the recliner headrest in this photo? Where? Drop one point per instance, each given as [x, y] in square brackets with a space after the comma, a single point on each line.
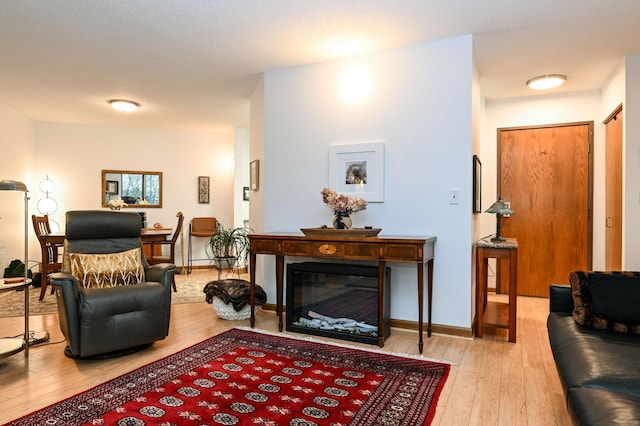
[98, 224]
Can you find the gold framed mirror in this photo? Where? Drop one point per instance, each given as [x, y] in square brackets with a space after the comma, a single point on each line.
[136, 188]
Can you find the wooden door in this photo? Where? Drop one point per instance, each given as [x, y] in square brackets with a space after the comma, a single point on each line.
[613, 191]
[545, 172]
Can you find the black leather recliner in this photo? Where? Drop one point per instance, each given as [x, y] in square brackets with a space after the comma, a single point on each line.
[110, 321]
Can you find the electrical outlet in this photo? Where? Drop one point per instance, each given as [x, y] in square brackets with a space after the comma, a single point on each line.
[454, 196]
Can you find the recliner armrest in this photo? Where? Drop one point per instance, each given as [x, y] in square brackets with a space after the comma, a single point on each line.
[161, 273]
[67, 296]
[68, 285]
[560, 298]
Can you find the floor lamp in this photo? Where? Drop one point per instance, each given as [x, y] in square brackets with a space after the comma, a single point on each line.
[41, 336]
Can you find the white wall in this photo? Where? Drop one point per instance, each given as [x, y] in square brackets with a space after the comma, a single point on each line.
[552, 109]
[240, 176]
[16, 163]
[73, 156]
[476, 219]
[256, 152]
[631, 184]
[421, 108]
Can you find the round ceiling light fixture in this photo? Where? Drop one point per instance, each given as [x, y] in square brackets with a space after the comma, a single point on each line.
[548, 81]
[122, 105]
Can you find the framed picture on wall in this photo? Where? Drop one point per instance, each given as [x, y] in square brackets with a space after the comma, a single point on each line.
[358, 169]
[254, 175]
[477, 185]
[245, 193]
[203, 189]
[111, 187]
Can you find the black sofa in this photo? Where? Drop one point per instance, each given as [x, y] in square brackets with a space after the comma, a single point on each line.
[595, 340]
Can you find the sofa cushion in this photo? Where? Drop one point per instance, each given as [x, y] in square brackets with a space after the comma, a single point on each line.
[607, 300]
[588, 406]
[587, 357]
[107, 270]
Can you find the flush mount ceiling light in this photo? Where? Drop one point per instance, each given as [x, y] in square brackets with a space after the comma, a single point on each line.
[122, 105]
[544, 82]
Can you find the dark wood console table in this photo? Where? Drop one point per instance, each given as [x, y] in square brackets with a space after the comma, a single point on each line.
[419, 250]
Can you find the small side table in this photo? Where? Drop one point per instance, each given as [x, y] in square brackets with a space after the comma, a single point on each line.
[498, 314]
[8, 345]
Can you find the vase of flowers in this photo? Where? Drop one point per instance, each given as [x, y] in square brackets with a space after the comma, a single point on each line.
[116, 204]
[342, 206]
[342, 220]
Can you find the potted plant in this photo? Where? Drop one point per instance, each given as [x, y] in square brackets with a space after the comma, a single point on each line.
[228, 246]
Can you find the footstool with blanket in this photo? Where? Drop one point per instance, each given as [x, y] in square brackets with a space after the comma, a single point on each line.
[230, 298]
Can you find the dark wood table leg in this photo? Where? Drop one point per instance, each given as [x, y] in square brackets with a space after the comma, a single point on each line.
[420, 305]
[429, 294]
[481, 289]
[381, 276]
[279, 287]
[252, 287]
[43, 272]
[513, 293]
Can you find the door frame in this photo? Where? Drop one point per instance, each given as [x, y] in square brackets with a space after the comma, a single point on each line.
[618, 206]
[590, 126]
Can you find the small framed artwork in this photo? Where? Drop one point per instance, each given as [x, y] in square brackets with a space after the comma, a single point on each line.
[203, 189]
[358, 169]
[111, 187]
[477, 185]
[254, 175]
[245, 193]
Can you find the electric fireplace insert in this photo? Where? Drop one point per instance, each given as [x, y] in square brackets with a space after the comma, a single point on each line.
[337, 300]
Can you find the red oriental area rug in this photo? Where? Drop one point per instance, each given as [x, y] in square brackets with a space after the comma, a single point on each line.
[244, 377]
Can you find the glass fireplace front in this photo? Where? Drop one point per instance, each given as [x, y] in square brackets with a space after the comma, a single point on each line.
[337, 300]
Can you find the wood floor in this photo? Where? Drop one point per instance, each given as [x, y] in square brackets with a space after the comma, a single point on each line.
[492, 382]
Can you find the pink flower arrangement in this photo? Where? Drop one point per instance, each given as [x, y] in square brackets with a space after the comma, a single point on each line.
[340, 203]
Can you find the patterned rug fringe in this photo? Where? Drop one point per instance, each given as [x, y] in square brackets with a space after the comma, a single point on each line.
[343, 345]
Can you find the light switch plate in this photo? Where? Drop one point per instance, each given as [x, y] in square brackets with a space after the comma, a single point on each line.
[454, 196]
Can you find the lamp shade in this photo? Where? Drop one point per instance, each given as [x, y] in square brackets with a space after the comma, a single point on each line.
[12, 185]
[499, 207]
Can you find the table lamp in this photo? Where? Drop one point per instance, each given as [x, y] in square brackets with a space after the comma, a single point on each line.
[499, 208]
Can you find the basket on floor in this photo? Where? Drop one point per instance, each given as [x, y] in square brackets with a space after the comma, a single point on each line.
[226, 310]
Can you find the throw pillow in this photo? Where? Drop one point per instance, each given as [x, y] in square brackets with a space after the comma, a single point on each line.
[107, 270]
[607, 300]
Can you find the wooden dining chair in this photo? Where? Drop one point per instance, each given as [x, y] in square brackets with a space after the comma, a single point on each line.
[200, 227]
[50, 252]
[153, 259]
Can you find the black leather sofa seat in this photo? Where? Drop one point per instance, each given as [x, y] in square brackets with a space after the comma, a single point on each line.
[599, 369]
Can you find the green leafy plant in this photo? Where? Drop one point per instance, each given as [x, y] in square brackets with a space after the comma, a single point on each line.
[230, 243]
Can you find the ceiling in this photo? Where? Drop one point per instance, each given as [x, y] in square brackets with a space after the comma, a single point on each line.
[193, 64]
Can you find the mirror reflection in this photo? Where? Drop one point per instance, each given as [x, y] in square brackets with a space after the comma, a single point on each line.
[137, 189]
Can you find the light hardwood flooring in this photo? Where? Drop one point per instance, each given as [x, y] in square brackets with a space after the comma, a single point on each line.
[492, 381]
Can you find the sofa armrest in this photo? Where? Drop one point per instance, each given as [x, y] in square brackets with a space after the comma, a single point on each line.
[560, 298]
